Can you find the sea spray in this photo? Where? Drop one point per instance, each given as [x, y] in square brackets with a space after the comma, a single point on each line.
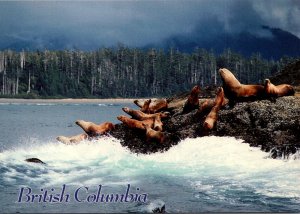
[221, 170]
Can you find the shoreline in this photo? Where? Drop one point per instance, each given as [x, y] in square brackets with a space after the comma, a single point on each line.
[67, 100]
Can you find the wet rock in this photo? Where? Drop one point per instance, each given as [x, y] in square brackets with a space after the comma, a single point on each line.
[34, 160]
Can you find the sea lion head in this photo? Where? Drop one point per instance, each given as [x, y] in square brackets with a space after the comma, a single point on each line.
[126, 109]
[228, 78]
[79, 122]
[147, 102]
[196, 89]
[63, 139]
[219, 96]
[60, 138]
[109, 126]
[122, 118]
[208, 125]
[219, 90]
[267, 81]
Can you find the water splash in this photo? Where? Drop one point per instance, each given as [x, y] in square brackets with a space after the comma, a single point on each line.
[211, 165]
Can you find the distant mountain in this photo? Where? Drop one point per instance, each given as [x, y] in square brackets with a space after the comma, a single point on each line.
[270, 42]
[276, 44]
[289, 74]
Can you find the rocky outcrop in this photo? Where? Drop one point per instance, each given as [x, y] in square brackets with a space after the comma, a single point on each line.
[272, 125]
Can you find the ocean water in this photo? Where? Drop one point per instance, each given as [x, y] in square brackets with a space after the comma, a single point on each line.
[217, 174]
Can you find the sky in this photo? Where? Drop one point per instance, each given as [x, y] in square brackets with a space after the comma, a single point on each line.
[93, 24]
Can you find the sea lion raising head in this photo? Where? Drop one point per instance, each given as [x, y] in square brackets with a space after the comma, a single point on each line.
[212, 117]
[72, 139]
[235, 91]
[192, 101]
[279, 90]
[93, 129]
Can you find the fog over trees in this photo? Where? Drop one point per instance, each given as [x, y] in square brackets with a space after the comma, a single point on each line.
[123, 71]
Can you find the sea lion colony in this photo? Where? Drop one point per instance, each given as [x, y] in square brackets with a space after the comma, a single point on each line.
[150, 118]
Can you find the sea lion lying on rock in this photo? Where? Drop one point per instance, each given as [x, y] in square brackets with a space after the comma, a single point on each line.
[208, 104]
[72, 139]
[279, 90]
[156, 105]
[212, 117]
[139, 115]
[235, 91]
[94, 130]
[192, 101]
[136, 124]
[153, 135]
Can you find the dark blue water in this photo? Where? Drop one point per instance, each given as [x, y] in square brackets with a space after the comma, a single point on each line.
[198, 175]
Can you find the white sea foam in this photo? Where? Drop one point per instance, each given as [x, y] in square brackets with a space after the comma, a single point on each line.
[210, 164]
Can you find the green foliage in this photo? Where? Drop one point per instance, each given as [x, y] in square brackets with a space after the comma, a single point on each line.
[123, 72]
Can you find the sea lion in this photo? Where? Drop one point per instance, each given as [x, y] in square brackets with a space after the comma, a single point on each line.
[93, 129]
[212, 117]
[235, 91]
[278, 90]
[208, 104]
[145, 107]
[153, 135]
[139, 115]
[192, 101]
[72, 139]
[158, 125]
[136, 124]
[155, 106]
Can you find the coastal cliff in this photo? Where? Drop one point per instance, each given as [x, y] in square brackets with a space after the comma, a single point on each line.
[273, 125]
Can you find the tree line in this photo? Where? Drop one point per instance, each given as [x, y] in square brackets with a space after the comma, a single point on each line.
[123, 72]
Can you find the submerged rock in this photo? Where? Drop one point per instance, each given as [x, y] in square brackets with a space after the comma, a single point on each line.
[34, 160]
[272, 125]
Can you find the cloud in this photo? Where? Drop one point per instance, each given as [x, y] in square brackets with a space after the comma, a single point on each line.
[90, 25]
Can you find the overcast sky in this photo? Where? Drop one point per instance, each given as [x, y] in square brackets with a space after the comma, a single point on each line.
[137, 23]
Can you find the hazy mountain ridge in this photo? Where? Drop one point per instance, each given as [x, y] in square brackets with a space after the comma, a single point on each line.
[276, 44]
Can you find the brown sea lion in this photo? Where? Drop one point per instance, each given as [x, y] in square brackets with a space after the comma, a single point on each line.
[139, 115]
[93, 129]
[158, 125]
[145, 107]
[72, 139]
[192, 101]
[278, 90]
[212, 117]
[152, 135]
[132, 123]
[235, 91]
[155, 106]
[208, 104]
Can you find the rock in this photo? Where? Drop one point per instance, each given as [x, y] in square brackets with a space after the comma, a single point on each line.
[273, 126]
[34, 160]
